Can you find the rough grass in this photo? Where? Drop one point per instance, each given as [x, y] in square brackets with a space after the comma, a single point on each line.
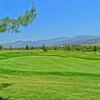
[52, 75]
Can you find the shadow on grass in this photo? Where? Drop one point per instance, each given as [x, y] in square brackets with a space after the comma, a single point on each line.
[2, 98]
[4, 85]
[44, 73]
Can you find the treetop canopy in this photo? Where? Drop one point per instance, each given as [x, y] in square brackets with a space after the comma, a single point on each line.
[13, 25]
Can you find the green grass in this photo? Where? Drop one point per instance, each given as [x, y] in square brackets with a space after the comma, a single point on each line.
[52, 75]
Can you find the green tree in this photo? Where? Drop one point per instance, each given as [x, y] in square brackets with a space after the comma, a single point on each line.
[95, 48]
[69, 48]
[13, 25]
[27, 47]
[56, 47]
[45, 48]
[1, 47]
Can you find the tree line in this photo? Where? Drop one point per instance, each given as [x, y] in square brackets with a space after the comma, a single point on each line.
[84, 48]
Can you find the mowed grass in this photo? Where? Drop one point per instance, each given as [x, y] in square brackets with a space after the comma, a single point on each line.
[52, 75]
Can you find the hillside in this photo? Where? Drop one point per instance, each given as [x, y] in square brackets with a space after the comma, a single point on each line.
[56, 41]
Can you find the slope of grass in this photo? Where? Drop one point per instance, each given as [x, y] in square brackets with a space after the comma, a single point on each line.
[52, 75]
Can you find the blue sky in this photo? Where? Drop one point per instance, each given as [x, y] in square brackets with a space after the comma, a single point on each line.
[55, 18]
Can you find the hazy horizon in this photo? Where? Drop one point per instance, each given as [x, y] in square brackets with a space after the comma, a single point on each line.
[77, 36]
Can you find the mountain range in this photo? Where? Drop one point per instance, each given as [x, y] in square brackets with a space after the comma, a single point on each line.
[56, 41]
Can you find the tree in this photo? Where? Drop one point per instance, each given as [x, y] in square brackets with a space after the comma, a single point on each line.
[95, 48]
[27, 47]
[69, 47]
[1, 47]
[44, 48]
[56, 47]
[65, 47]
[13, 25]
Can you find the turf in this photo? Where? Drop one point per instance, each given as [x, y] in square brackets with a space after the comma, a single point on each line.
[52, 75]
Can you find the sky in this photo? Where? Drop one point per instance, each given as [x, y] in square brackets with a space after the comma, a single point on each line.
[55, 18]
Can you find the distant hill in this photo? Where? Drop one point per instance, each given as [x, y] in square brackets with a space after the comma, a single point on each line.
[56, 41]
